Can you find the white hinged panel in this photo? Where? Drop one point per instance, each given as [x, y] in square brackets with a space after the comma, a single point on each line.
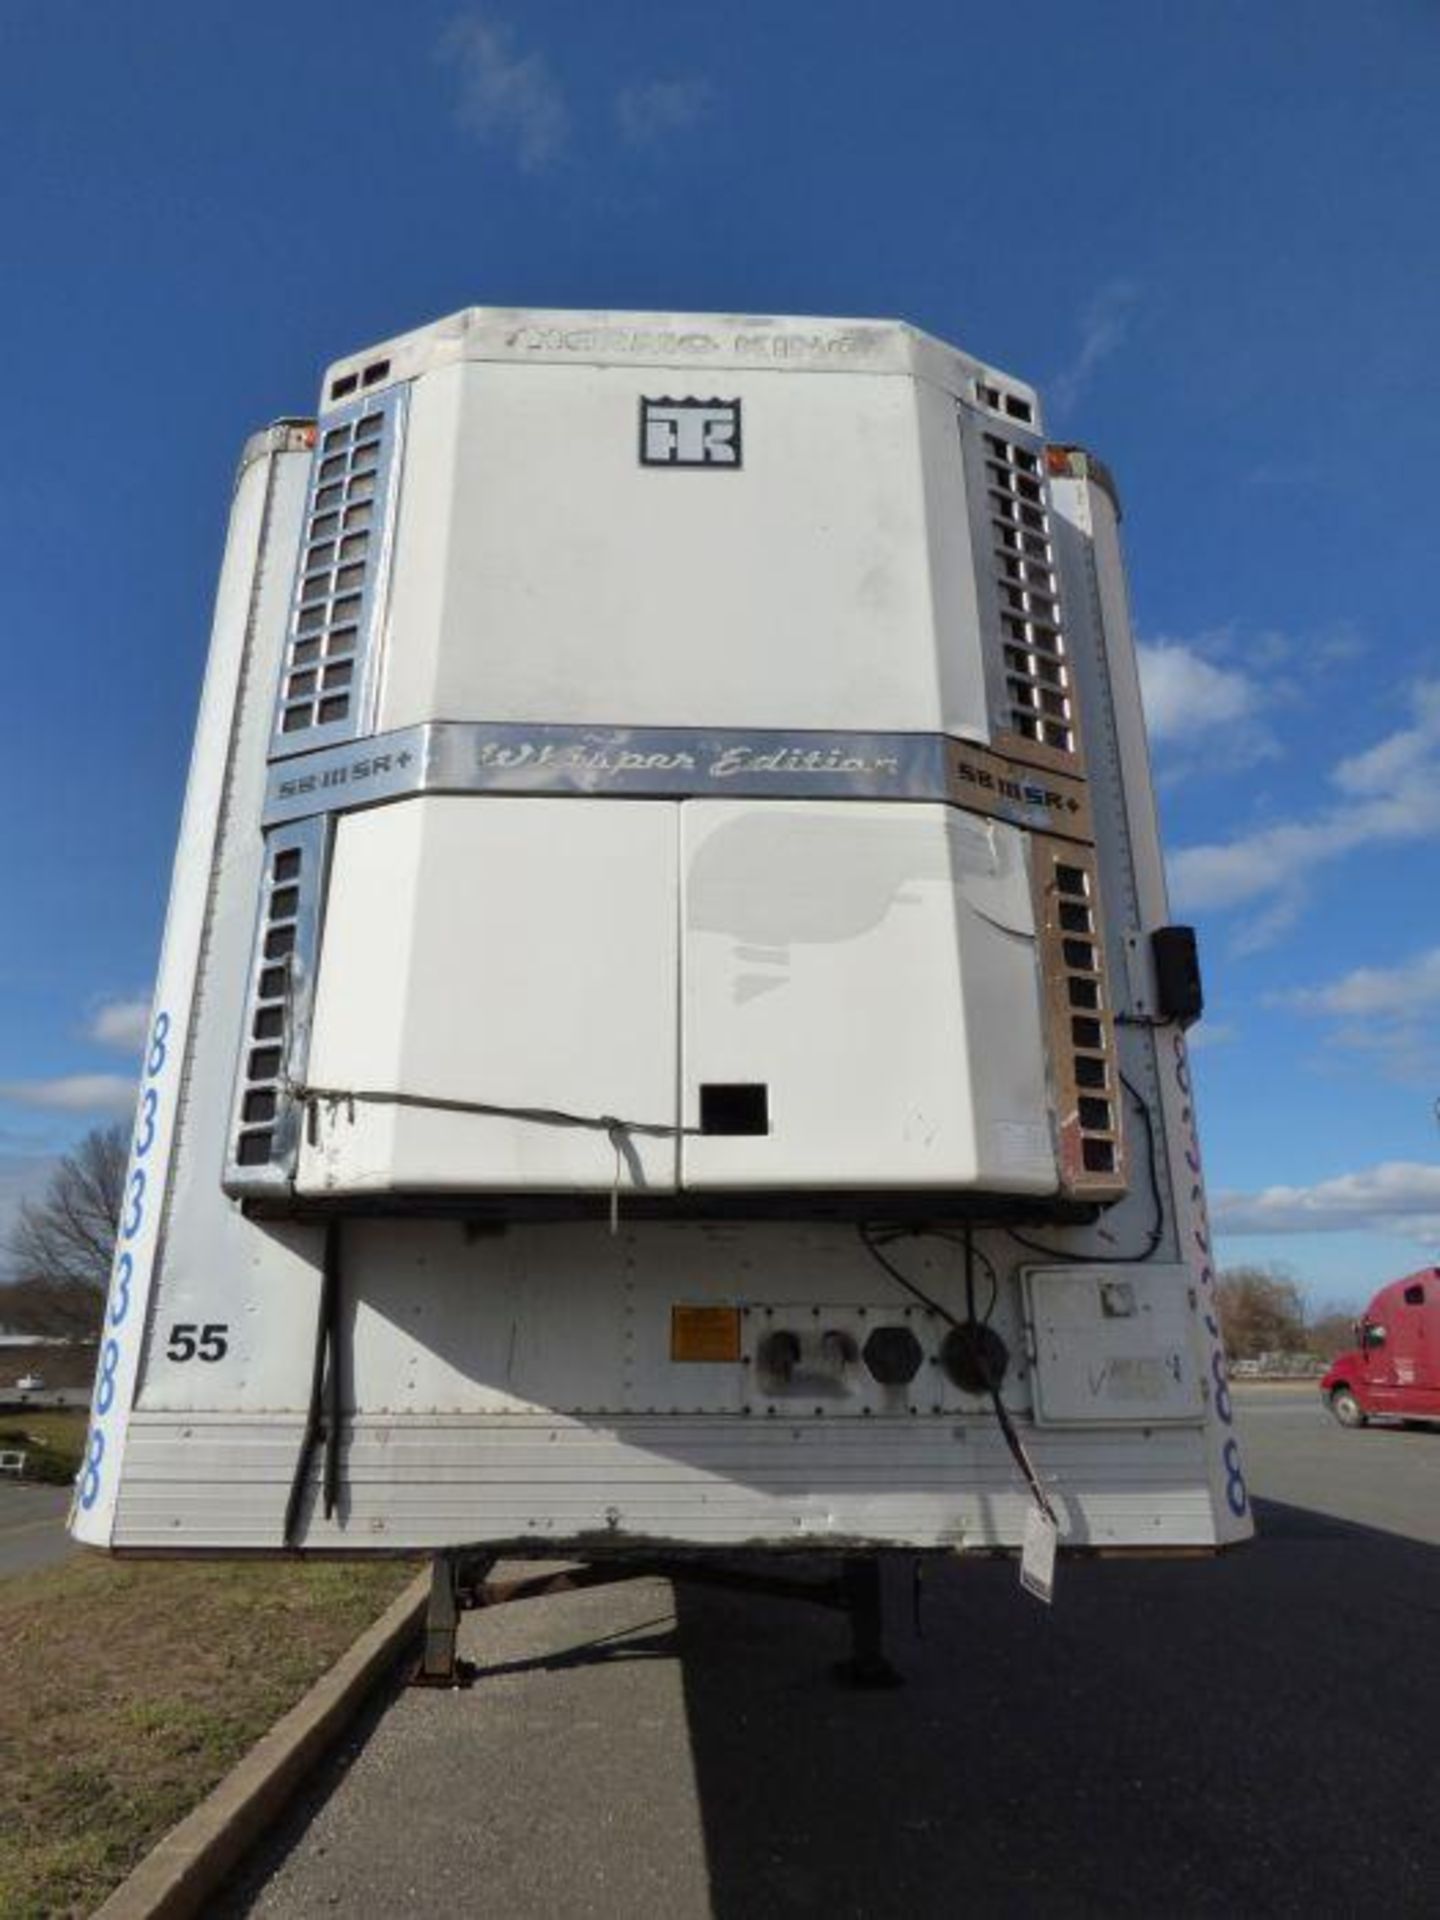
[517, 953]
[545, 573]
[1112, 1345]
[873, 968]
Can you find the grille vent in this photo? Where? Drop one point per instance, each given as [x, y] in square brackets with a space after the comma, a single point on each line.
[1082, 1028]
[1038, 687]
[275, 1037]
[1014, 406]
[323, 684]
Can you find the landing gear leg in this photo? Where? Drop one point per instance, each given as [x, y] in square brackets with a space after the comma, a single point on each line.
[867, 1665]
[460, 1581]
[453, 1578]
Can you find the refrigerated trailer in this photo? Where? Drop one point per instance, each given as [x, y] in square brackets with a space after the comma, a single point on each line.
[669, 1033]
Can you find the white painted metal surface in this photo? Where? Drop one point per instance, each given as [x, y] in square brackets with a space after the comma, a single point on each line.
[543, 574]
[1112, 1346]
[860, 961]
[521, 953]
[174, 1231]
[1088, 527]
[870, 956]
[564, 1482]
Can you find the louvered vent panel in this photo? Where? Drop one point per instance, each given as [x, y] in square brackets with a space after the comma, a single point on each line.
[325, 682]
[1082, 1027]
[1038, 687]
[1002, 400]
[275, 1037]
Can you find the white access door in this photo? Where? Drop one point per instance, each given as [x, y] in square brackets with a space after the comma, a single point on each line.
[861, 999]
[516, 953]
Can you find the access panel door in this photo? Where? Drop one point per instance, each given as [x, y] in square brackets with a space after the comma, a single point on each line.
[861, 1000]
[517, 954]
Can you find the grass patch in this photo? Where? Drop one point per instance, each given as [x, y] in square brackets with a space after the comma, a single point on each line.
[52, 1441]
[132, 1687]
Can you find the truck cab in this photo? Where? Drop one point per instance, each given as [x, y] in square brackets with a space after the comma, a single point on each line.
[1393, 1371]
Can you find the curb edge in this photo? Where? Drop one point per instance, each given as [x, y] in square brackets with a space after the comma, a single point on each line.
[190, 1863]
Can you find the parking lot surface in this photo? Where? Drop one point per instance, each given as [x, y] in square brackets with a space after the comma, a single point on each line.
[32, 1526]
[1248, 1734]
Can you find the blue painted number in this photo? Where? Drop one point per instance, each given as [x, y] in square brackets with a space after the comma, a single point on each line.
[90, 1478]
[1235, 1491]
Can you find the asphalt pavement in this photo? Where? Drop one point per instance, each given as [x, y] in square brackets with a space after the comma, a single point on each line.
[1380, 1477]
[1247, 1734]
[32, 1526]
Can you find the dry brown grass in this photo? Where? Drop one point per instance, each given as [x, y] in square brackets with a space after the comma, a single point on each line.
[131, 1688]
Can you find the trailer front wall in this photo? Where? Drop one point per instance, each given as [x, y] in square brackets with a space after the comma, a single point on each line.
[494, 1380]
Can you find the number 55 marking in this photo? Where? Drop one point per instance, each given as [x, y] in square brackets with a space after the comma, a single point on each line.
[189, 1342]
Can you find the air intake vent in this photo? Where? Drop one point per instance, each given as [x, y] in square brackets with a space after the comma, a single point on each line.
[1082, 1029]
[1038, 687]
[325, 683]
[275, 1038]
[1014, 406]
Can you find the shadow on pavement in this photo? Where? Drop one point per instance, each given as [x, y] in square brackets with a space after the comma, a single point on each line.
[1251, 1734]
[606, 1650]
[1248, 1735]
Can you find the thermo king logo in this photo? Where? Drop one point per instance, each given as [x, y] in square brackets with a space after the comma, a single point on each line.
[689, 433]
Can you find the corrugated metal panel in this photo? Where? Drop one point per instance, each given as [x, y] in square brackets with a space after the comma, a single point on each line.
[712, 1482]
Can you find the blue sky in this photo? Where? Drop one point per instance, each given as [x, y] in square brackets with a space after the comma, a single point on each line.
[1208, 234]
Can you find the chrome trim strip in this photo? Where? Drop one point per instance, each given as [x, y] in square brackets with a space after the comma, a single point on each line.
[674, 763]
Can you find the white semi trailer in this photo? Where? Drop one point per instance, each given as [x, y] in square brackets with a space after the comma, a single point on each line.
[668, 1034]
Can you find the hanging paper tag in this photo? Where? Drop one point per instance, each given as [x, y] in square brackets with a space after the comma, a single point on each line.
[1037, 1557]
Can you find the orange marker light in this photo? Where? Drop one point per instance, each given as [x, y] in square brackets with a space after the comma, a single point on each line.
[705, 1333]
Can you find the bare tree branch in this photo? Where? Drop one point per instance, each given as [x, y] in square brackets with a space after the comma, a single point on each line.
[1261, 1311]
[61, 1246]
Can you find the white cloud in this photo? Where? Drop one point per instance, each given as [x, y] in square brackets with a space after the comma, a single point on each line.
[1186, 694]
[507, 98]
[1210, 1033]
[649, 111]
[122, 1024]
[74, 1093]
[1233, 872]
[1265, 650]
[1385, 1013]
[1405, 1050]
[1104, 327]
[1400, 756]
[1204, 715]
[1401, 990]
[1392, 793]
[1398, 1196]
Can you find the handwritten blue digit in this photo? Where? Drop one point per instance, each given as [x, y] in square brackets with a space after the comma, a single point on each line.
[1182, 1069]
[1222, 1387]
[109, 1361]
[132, 1219]
[146, 1138]
[158, 1049]
[1235, 1489]
[90, 1478]
[120, 1303]
[135, 1212]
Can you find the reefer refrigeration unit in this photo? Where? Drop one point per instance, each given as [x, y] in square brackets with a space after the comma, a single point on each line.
[668, 1030]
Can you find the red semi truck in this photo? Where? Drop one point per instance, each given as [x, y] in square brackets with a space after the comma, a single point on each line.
[1394, 1370]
